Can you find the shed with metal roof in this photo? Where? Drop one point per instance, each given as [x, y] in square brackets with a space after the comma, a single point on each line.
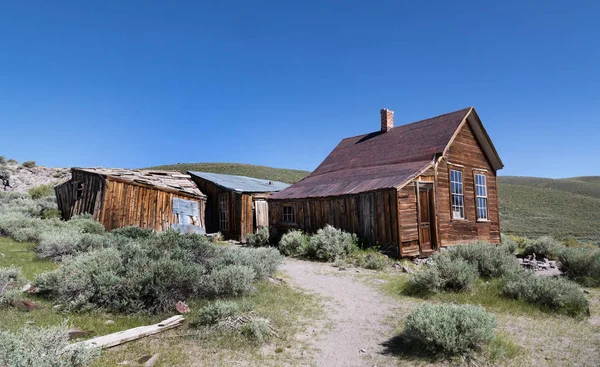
[236, 205]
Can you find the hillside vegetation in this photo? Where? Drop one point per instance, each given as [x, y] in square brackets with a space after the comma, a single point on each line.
[563, 208]
[250, 170]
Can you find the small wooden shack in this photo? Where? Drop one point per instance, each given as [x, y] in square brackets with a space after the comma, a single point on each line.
[236, 205]
[122, 197]
[414, 188]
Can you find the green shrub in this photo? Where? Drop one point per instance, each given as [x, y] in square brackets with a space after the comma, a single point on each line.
[370, 259]
[42, 347]
[263, 261]
[509, 245]
[330, 243]
[9, 278]
[2, 160]
[257, 330]
[491, 261]
[86, 224]
[260, 238]
[581, 265]
[51, 213]
[28, 164]
[41, 191]
[450, 329]
[133, 232]
[555, 294]
[293, 243]
[12, 161]
[445, 274]
[544, 246]
[216, 311]
[232, 280]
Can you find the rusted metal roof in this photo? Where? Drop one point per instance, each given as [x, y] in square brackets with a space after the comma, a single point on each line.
[166, 180]
[241, 183]
[378, 160]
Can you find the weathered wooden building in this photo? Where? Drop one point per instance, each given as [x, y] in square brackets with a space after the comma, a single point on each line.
[120, 197]
[415, 187]
[236, 205]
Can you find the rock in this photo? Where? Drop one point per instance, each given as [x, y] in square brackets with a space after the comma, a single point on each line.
[586, 291]
[109, 322]
[57, 307]
[26, 287]
[153, 360]
[362, 351]
[182, 307]
[341, 268]
[407, 270]
[143, 359]
[78, 333]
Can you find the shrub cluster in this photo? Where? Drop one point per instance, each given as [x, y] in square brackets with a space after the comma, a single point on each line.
[556, 294]
[370, 259]
[41, 191]
[544, 246]
[450, 329]
[154, 273]
[445, 274]
[260, 238]
[28, 164]
[294, 243]
[216, 311]
[42, 347]
[9, 278]
[330, 243]
[491, 261]
[581, 265]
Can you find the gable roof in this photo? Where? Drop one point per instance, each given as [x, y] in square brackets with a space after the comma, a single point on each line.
[241, 183]
[382, 160]
[171, 181]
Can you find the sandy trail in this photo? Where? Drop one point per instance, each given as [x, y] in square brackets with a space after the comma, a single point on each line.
[360, 317]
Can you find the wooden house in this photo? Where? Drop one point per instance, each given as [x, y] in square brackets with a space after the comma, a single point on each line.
[120, 197]
[416, 187]
[236, 205]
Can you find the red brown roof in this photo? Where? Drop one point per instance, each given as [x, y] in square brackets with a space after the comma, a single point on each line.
[378, 160]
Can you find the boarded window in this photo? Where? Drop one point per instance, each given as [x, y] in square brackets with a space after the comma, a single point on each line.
[481, 198]
[223, 212]
[188, 215]
[289, 214]
[458, 201]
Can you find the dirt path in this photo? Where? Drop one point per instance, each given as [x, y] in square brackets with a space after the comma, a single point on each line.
[359, 315]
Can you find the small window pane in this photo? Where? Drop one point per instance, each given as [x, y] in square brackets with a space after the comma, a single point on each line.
[481, 196]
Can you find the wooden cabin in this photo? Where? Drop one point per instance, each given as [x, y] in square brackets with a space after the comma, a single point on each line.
[236, 205]
[159, 200]
[413, 188]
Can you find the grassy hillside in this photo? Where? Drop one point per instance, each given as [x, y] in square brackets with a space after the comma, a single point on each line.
[267, 173]
[562, 208]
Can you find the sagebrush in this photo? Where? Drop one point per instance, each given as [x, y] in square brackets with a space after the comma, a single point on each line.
[450, 329]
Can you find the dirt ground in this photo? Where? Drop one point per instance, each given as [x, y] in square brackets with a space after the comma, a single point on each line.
[358, 315]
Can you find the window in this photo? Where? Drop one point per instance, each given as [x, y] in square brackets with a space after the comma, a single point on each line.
[79, 189]
[481, 196]
[223, 212]
[289, 214]
[458, 201]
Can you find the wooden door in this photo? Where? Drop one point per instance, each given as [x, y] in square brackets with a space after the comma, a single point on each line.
[425, 220]
[261, 213]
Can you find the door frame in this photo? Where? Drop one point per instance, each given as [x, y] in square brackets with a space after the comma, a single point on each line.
[427, 186]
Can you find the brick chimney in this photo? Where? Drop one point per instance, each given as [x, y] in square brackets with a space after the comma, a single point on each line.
[387, 119]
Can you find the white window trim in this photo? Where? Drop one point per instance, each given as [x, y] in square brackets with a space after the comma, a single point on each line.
[223, 209]
[477, 197]
[289, 217]
[457, 214]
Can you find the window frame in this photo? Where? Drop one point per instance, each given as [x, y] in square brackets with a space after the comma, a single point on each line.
[291, 216]
[223, 209]
[461, 195]
[482, 197]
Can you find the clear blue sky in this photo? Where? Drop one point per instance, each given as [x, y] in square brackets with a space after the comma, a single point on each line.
[279, 83]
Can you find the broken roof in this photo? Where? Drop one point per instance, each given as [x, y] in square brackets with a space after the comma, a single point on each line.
[241, 183]
[382, 160]
[162, 180]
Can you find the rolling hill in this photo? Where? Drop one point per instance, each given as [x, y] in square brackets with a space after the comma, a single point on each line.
[267, 173]
[529, 206]
[562, 208]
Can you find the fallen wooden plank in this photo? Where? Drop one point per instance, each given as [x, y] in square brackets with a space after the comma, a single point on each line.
[111, 340]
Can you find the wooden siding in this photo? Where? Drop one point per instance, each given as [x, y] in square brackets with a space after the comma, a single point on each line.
[89, 200]
[466, 155]
[240, 208]
[372, 216]
[409, 224]
[127, 204]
